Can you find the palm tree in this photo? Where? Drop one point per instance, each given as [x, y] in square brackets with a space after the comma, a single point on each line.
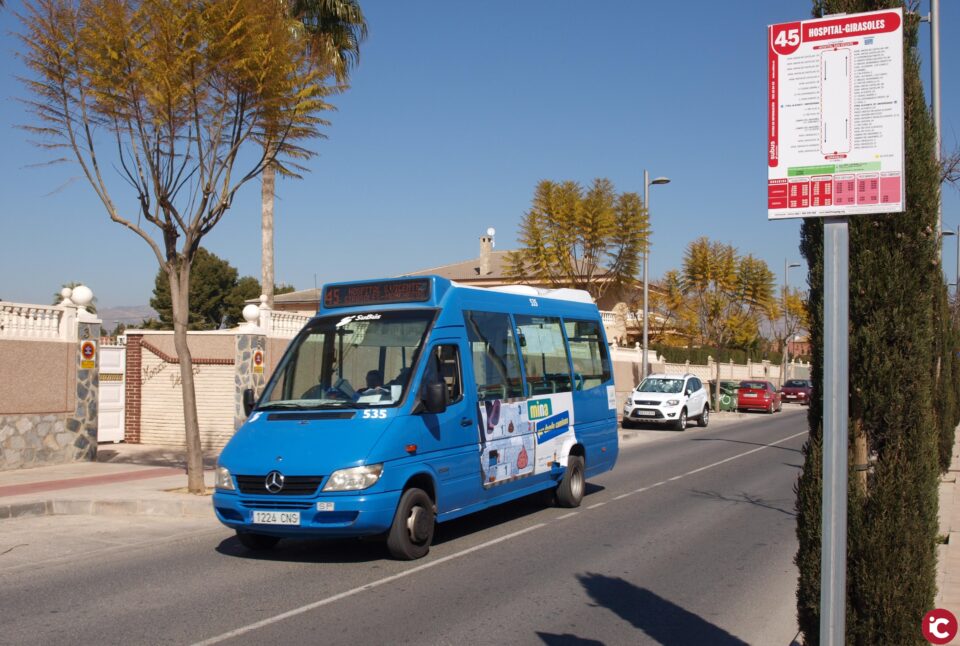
[332, 31]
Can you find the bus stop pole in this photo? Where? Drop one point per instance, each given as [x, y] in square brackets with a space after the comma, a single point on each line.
[833, 557]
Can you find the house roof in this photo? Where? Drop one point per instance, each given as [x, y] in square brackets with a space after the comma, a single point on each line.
[468, 270]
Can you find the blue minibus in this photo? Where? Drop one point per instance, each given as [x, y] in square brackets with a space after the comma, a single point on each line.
[412, 401]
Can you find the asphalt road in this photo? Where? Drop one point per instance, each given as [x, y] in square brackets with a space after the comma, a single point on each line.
[690, 540]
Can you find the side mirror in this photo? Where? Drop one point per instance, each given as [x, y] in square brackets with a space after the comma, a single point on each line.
[435, 397]
[249, 401]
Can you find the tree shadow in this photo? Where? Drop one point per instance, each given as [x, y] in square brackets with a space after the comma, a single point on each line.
[566, 639]
[150, 455]
[743, 498]
[770, 446]
[661, 619]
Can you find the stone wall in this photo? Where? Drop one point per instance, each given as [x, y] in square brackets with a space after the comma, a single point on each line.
[66, 432]
[36, 440]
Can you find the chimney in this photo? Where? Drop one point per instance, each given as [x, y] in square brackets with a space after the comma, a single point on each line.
[486, 249]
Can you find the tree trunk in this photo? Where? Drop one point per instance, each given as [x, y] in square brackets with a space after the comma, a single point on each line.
[179, 300]
[267, 190]
[861, 460]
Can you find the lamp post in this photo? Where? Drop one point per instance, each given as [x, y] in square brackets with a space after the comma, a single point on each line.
[956, 277]
[786, 349]
[646, 259]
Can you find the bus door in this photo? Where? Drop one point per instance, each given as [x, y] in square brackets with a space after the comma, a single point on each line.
[450, 437]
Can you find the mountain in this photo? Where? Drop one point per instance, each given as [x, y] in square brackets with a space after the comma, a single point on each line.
[130, 315]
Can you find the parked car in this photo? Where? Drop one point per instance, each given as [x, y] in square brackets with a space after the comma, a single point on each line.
[668, 399]
[796, 391]
[758, 395]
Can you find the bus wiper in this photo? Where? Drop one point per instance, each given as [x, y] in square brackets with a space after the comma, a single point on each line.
[284, 405]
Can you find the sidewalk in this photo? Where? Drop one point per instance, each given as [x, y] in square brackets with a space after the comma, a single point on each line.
[948, 554]
[127, 479]
[136, 479]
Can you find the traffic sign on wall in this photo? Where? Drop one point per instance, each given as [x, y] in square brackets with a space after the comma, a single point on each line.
[835, 116]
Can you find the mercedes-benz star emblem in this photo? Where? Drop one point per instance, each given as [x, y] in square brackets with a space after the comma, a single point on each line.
[274, 482]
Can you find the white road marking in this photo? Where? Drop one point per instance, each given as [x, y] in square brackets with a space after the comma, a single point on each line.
[735, 457]
[363, 588]
[675, 478]
[572, 513]
[595, 505]
[624, 495]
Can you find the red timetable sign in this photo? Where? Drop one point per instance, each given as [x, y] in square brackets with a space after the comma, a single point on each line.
[835, 116]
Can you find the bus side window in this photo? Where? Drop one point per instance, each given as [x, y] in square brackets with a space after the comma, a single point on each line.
[545, 358]
[496, 363]
[444, 365]
[591, 363]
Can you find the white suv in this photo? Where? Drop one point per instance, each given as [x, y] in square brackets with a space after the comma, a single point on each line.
[668, 399]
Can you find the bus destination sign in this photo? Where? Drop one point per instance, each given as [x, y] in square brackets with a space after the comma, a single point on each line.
[414, 290]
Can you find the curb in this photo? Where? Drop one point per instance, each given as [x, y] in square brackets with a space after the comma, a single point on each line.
[199, 508]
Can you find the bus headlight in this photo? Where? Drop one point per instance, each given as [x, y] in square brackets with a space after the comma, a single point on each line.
[354, 479]
[222, 479]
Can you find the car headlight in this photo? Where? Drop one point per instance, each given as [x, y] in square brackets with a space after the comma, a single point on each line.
[673, 402]
[222, 479]
[354, 479]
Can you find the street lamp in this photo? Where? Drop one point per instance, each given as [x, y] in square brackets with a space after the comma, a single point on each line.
[786, 348]
[646, 259]
[956, 278]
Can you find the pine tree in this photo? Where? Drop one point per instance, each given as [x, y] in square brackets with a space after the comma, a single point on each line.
[892, 504]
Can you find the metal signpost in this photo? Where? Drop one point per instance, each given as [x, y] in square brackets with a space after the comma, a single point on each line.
[835, 149]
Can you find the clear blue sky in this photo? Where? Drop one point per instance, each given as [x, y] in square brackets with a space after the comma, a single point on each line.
[456, 111]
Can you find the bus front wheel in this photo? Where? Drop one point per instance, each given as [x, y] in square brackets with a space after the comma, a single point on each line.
[570, 489]
[412, 530]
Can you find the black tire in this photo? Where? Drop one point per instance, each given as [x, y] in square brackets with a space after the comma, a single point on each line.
[704, 418]
[770, 409]
[681, 423]
[257, 542]
[570, 490]
[413, 523]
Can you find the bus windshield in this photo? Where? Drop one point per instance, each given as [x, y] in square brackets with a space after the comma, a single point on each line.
[349, 361]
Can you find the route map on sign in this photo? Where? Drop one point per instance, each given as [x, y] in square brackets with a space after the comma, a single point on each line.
[835, 116]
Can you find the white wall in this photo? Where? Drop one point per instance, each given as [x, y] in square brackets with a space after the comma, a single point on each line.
[161, 413]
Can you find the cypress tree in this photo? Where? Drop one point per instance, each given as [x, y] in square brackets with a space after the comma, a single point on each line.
[894, 358]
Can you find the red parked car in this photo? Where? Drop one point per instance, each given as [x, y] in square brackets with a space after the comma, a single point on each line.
[797, 391]
[758, 395]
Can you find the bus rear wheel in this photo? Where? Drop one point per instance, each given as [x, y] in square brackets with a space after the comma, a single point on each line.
[413, 523]
[571, 487]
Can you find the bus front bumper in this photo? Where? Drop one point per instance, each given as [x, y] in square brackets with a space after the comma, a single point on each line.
[321, 517]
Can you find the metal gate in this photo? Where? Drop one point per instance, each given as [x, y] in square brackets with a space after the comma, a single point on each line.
[111, 400]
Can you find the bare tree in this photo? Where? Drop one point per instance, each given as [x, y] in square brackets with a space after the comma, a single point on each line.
[169, 94]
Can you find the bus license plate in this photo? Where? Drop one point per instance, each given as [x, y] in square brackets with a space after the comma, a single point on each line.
[276, 518]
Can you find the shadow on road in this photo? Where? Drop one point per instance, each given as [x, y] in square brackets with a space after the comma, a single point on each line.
[500, 514]
[309, 551]
[664, 621]
[770, 446]
[743, 498]
[355, 550]
[566, 639]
